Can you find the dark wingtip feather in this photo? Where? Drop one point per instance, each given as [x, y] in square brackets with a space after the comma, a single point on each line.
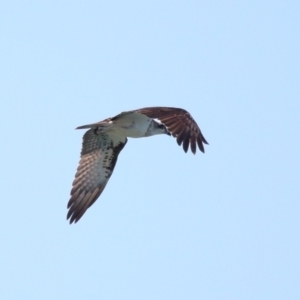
[200, 142]
[204, 140]
[179, 142]
[181, 136]
[193, 145]
[185, 145]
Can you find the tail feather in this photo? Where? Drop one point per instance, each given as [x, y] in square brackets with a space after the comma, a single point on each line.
[103, 124]
[86, 126]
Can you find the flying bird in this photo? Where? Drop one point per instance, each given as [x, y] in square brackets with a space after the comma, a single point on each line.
[104, 140]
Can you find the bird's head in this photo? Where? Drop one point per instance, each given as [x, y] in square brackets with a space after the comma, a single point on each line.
[159, 128]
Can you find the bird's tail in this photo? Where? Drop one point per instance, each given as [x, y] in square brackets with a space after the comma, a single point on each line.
[103, 124]
[87, 126]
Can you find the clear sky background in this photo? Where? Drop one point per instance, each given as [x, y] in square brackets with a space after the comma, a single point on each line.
[169, 225]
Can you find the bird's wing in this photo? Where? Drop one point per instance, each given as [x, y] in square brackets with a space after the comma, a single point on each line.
[99, 155]
[180, 124]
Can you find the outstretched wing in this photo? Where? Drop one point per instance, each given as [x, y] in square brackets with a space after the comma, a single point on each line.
[99, 155]
[180, 124]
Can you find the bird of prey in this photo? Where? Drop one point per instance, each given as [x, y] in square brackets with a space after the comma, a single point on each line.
[104, 140]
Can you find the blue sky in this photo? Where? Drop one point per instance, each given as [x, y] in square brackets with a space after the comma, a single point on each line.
[169, 225]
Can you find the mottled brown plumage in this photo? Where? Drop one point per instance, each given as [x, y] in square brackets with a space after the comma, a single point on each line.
[99, 155]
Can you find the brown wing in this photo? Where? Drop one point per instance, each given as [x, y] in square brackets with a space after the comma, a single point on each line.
[98, 158]
[180, 124]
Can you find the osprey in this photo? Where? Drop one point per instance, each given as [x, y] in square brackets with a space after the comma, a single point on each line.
[104, 140]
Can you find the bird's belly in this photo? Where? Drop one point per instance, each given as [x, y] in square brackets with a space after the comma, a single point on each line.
[131, 129]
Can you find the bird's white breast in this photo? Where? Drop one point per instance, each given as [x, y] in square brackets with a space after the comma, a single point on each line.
[132, 125]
